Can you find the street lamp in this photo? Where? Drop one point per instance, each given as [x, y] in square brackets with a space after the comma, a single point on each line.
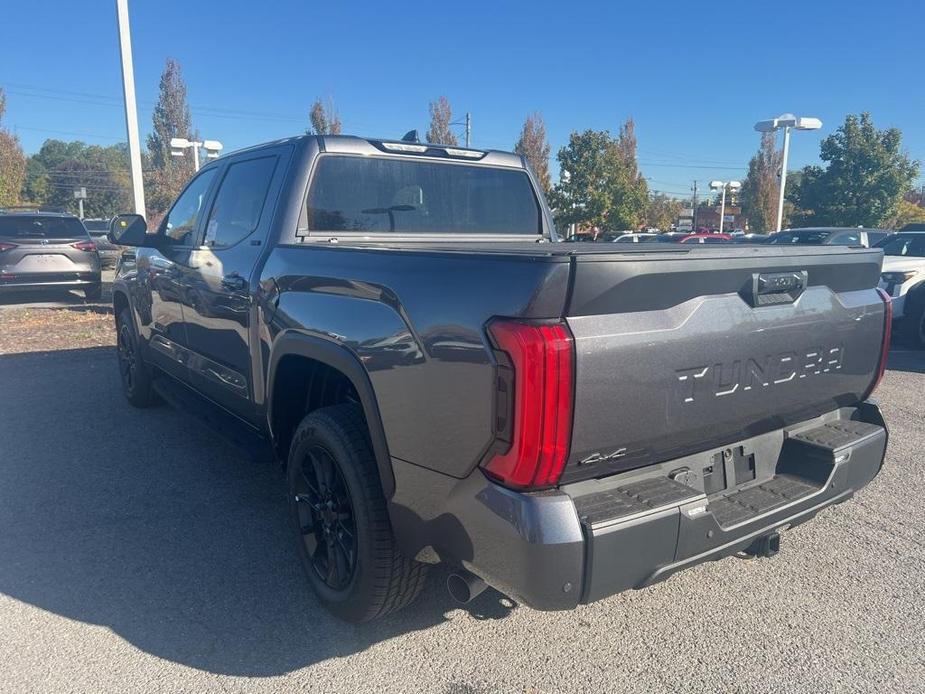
[178, 145]
[788, 122]
[723, 185]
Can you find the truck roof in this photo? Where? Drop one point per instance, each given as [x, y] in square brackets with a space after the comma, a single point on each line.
[353, 144]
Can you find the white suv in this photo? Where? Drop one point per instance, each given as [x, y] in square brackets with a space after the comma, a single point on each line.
[903, 278]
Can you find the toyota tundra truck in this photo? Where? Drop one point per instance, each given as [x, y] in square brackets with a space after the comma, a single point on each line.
[445, 382]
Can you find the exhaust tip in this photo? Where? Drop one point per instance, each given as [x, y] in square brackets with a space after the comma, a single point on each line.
[464, 587]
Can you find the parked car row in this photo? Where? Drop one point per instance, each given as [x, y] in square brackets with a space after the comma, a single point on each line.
[810, 236]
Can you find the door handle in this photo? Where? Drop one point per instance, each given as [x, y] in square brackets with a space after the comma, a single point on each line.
[234, 282]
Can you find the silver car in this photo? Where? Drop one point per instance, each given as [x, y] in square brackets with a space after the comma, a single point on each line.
[47, 251]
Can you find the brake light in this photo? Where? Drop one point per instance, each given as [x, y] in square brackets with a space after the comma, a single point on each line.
[538, 418]
[88, 246]
[6, 246]
[887, 337]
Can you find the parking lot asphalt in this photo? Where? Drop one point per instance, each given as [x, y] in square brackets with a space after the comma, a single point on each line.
[139, 553]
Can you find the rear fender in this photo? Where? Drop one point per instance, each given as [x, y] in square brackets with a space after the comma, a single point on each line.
[336, 356]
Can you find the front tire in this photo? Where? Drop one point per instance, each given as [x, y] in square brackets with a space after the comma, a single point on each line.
[339, 512]
[136, 381]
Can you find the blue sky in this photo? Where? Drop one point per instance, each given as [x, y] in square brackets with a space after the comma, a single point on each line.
[694, 76]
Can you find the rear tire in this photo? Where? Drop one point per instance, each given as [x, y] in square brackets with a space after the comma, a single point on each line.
[93, 293]
[136, 381]
[339, 513]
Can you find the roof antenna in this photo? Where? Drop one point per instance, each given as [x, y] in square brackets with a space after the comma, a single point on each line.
[410, 136]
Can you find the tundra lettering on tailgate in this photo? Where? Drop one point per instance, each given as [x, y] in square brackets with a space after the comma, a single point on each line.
[742, 375]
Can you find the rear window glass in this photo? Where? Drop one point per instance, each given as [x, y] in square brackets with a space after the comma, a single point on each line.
[28, 227]
[97, 226]
[378, 195]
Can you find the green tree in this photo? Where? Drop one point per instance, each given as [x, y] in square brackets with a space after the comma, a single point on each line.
[533, 146]
[324, 120]
[12, 162]
[171, 119]
[663, 211]
[58, 168]
[600, 184]
[864, 181]
[441, 117]
[761, 187]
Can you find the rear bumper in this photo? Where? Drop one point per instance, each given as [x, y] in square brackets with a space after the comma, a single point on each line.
[58, 280]
[556, 549]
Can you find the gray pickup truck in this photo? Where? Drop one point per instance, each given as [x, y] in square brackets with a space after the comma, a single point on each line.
[447, 383]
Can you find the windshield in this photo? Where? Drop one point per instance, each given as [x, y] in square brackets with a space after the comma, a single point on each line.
[97, 226]
[36, 227]
[909, 245]
[801, 238]
[374, 194]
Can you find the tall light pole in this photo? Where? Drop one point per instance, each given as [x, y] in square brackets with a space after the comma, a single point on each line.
[724, 185]
[131, 110]
[787, 122]
[179, 144]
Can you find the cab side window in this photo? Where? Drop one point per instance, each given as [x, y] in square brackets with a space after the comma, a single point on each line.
[239, 202]
[180, 224]
[847, 238]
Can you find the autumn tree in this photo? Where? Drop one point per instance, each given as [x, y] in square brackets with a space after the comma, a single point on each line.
[600, 183]
[629, 208]
[663, 211]
[171, 119]
[533, 146]
[12, 162]
[761, 187]
[866, 176]
[324, 120]
[441, 117]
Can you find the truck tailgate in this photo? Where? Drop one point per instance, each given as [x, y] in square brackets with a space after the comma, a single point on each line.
[681, 353]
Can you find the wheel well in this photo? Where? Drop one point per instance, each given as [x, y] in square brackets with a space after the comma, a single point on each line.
[302, 385]
[119, 302]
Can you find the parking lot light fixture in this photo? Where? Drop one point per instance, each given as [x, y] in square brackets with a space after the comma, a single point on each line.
[723, 186]
[179, 145]
[786, 122]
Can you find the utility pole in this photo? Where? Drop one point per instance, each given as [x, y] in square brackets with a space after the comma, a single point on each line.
[131, 110]
[468, 129]
[81, 195]
[694, 221]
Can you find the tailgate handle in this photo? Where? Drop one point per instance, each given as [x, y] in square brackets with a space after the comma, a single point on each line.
[775, 288]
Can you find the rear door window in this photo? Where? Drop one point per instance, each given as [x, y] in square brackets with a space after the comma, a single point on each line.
[384, 195]
[239, 202]
[847, 238]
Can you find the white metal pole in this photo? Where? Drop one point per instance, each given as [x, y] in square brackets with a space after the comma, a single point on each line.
[80, 205]
[131, 110]
[722, 209]
[783, 178]
[195, 148]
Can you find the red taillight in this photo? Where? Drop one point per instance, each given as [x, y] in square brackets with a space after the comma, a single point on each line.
[887, 336]
[540, 412]
[6, 246]
[87, 246]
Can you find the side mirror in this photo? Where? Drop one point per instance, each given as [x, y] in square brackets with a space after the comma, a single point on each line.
[128, 230]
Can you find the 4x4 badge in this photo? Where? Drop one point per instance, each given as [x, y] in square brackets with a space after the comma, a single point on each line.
[600, 458]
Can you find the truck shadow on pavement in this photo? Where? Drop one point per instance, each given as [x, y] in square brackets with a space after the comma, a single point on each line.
[143, 523]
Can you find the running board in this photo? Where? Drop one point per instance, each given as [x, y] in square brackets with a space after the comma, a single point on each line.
[234, 430]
